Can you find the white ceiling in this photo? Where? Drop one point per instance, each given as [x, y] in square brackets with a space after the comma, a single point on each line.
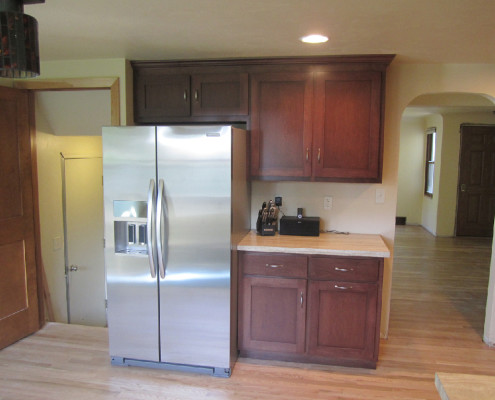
[430, 31]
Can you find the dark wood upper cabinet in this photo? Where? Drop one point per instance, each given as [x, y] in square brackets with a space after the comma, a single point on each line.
[170, 94]
[281, 125]
[220, 94]
[311, 118]
[347, 126]
[159, 96]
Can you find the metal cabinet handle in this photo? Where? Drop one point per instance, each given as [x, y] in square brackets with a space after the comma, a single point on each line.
[150, 232]
[342, 287]
[185, 95]
[319, 154]
[274, 265]
[463, 187]
[342, 269]
[307, 153]
[196, 95]
[74, 268]
[302, 299]
[160, 228]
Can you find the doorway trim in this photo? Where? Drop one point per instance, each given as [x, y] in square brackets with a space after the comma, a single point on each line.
[75, 84]
[62, 84]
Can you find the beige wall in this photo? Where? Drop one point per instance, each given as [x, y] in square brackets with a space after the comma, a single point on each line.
[104, 68]
[450, 171]
[411, 169]
[437, 215]
[354, 208]
[430, 204]
[407, 81]
[489, 334]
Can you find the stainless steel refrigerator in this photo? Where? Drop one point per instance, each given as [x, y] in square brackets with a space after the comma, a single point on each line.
[176, 204]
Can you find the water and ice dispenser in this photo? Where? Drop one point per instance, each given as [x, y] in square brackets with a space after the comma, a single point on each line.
[130, 228]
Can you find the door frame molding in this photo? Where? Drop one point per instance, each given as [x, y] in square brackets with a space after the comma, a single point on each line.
[62, 84]
[75, 84]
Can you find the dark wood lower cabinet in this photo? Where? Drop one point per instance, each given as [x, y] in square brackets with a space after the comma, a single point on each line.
[318, 309]
[342, 320]
[274, 314]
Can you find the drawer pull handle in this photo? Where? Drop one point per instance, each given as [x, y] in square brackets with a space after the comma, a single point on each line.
[342, 287]
[344, 269]
[302, 299]
[274, 265]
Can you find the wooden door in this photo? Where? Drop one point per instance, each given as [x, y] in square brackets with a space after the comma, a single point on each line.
[347, 138]
[476, 189]
[19, 313]
[342, 320]
[281, 125]
[273, 315]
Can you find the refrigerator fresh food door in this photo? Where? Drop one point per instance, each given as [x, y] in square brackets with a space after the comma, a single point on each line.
[129, 176]
[194, 173]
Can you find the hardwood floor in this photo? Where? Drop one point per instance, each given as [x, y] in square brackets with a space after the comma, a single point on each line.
[436, 325]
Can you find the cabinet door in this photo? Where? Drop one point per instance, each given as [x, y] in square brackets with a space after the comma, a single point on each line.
[342, 320]
[281, 125]
[273, 314]
[159, 96]
[220, 94]
[347, 127]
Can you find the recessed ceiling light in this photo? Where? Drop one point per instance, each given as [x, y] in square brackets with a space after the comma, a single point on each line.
[314, 39]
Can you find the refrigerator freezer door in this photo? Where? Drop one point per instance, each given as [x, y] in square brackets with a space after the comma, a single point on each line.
[128, 167]
[195, 166]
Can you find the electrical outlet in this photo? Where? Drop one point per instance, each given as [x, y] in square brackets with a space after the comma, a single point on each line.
[327, 202]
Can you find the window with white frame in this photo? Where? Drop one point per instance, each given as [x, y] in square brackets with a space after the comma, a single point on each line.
[430, 160]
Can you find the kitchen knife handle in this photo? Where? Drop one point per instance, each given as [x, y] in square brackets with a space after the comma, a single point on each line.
[149, 228]
[160, 228]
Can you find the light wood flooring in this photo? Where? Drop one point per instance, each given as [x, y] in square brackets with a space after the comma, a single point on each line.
[436, 324]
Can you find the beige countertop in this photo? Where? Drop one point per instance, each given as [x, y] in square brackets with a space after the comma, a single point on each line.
[465, 386]
[326, 244]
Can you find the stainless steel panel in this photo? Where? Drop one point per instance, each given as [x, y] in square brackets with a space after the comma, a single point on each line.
[195, 165]
[128, 166]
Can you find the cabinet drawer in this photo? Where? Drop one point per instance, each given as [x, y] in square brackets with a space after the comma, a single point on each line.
[344, 269]
[290, 266]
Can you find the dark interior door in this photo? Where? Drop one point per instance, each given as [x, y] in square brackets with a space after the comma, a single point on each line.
[476, 190]
[19, 313]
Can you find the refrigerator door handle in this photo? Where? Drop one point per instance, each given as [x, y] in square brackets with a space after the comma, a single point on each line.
[149, 227]
[160, 227]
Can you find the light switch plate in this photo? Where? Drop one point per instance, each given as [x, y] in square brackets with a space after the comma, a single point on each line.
[380, 195]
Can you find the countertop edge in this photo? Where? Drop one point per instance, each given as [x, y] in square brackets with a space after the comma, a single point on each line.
[329, 252]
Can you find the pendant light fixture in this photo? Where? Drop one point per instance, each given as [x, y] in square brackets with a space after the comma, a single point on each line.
[19, 51]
